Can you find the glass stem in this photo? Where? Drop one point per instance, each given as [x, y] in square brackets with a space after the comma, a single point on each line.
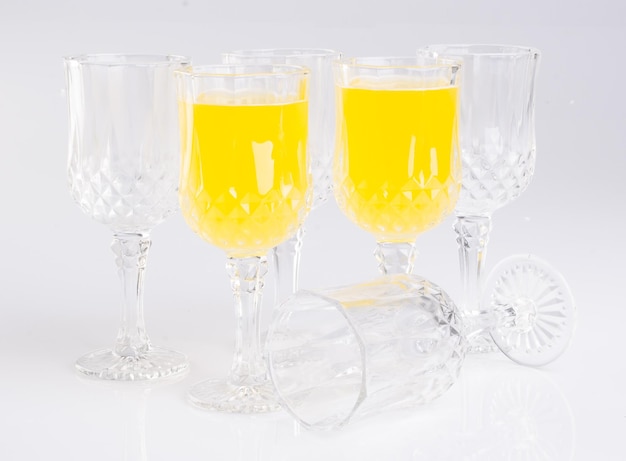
[496, 316]
[287, 266]
[472, 236]
[246, 280]
[395, 257]
[479, 325]
[131, 253]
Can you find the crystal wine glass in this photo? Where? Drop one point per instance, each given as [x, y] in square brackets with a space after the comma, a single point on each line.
[397, 166]
[244, 188]
[342, 353]
[497, 138]
[123, 172]
[320, 144]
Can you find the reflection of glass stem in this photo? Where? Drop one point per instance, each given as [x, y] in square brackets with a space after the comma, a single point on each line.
[131, 253]
[135, 425]
[246, 278]
[287, 266]
[395, 257]
[255, 439]
[472, 237]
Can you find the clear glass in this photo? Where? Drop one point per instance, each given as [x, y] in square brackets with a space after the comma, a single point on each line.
[244, 187]
[397, 169]
[286, 256]
[497, 138]
[123, 172]
[339, 354]
[535, 312]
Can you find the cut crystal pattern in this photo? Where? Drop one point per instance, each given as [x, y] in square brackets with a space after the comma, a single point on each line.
[123, 172]
[256, 213]
[490, 182]
[123, 156]
[126, 203]
[472, 238]
[535, 308]
[397, 215]
[393, 343]
[497, 125]
[497, 138]
[157, 363]
[247, 389]
[395, 258]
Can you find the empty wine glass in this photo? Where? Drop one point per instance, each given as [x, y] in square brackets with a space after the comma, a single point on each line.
[123, 172]
[397, 166]
[497, 138]
[338, 354]
[320, 144]
[245, 188]
[343, 353]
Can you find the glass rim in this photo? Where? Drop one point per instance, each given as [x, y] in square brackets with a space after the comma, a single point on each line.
[362, 62]
[248, 70]
[127, 59]
[484, 49]
[338, 314]
[283, 52]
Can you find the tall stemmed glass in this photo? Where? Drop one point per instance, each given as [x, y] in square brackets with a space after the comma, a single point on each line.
[244, 188]
[397, 166]
[526, 305]
[123, 172]
[320, 145]
[497, 138]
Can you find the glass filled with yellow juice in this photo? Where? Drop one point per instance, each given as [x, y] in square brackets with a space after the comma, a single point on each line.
[397, 167]
[244, 180]
[244, 187]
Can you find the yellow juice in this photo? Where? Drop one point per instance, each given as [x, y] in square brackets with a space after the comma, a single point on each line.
[244, 181]
[397, 168]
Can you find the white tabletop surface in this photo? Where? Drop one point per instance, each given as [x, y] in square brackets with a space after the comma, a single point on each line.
[59, 292]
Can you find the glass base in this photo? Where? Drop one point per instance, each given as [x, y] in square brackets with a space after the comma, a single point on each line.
[539, 314]
[157, 363]
[221, 395]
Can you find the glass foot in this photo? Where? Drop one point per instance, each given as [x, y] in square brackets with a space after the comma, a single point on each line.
[535, 307]
[155, 364]
[221, 395]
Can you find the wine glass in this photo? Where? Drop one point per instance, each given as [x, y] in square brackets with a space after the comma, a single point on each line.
[343, 353]
[123, 172]
[244, 187]
[497, 138]
[320, 144]
[397, 167]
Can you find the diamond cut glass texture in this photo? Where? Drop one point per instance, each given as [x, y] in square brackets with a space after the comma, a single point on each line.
[397, 164]
[123, 173]
[398, 213]
[536, 310]
[342, 353]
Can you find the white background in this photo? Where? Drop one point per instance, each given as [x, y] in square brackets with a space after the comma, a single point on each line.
[59, 292]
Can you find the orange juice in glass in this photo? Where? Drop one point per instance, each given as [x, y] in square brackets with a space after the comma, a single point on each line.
[244, 181]
[244, 187]
[397, 165]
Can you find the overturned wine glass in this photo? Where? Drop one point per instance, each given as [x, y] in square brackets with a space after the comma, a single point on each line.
[497, 143]
[399, 341]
